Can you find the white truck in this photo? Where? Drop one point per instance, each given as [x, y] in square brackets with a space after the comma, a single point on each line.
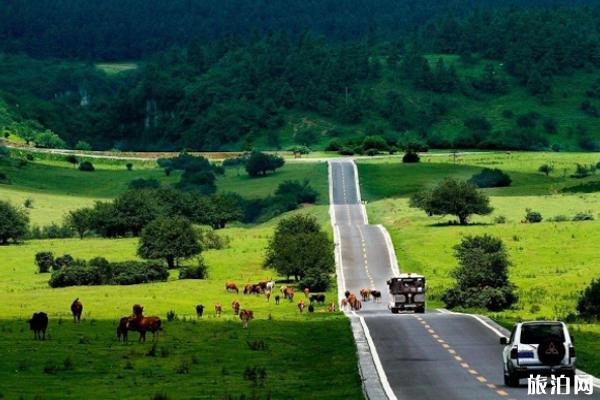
[407, 293]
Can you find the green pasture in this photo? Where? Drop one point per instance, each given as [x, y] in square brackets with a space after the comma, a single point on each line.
[300, 349]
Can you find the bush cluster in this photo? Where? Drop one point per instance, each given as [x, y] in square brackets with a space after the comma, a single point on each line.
[489, 178]
[99, 271]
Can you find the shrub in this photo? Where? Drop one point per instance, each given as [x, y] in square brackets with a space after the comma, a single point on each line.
[71, 159]
[98, 272]
[588, 304]
[141, 183]
[44, 261]
[375, 143]
[533, 217]
[583, 216]
[411, 157]
[28, 202]
[559, 218]
[13, 222]
[134, 272]
[300, 192]
[489, 178]
[83, 146]
[197, 272]
[346, 151]
[75, 274]
[315, 282]
[546, 169]
[129, 166]
[500, 219]
[212, 240]
[86, 166]
[583, 171]
[260, 163]
[63, 261]
[334, 145]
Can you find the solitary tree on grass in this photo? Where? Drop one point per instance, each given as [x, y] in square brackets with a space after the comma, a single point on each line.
[453, 197]
[80, 220]
[13, 222]
[171, 239]
[546, 169]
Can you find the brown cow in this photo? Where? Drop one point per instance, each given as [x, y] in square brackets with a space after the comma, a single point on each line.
[289, 294]
[366, 294]
[122, 329]
[231, 287]
[138, 322]
[301, 306]
[306, 292]
[38, 324]
[76, 310]
[331, 307]
[248, 288]
[268, 295]
[257, 289]
[218, 309]
[354, 302]
[344, 303]
[235, 305]
[246, 316]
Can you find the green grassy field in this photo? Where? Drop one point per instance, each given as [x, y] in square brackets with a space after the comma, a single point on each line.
[552, 261]
[302, 351]
[56, 186]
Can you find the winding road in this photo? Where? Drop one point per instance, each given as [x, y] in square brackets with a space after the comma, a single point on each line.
[436, 355]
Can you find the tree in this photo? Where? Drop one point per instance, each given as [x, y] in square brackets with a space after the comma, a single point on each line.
[80, 220]
[411, 157]
[299, 248]
[134, 209]
[222, 208]
[490, 177]
[453, 197]
[546, 169]
[83, 146]
[260, 163]
[50, 140]
[86, 166]
[482, 275]
[588, 304]
[170, 238]
[14, 222]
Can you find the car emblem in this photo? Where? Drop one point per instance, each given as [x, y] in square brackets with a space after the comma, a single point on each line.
[551, 349]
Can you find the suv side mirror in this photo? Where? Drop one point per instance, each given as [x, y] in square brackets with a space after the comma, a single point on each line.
[503, 341]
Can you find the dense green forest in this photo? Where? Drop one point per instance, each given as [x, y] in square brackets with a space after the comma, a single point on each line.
[234, 74]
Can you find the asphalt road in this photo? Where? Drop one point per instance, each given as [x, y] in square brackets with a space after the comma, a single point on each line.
[437, 355]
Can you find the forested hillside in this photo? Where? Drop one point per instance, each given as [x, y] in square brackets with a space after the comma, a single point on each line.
[233, 75]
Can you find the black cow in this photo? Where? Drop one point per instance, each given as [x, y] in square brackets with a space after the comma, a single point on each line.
[199, 310]
[376, 295]
[319, 298]
[38, 324]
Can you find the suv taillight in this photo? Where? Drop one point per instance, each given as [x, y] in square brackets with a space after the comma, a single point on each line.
[571, 352]
[514, 353]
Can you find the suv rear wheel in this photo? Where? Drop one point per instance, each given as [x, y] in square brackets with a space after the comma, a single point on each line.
[511, 379]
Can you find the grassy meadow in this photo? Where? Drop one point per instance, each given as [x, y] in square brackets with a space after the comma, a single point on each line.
[551, 261]
[283, 354]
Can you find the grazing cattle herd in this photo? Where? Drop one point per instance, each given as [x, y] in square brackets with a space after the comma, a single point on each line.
[138, 322]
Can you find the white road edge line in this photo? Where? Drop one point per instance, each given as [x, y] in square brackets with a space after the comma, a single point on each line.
[342, 285]
[390, 248]
[380, 371]
[363, 209]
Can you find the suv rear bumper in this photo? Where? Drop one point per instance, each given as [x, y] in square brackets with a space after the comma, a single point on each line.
[543, 370]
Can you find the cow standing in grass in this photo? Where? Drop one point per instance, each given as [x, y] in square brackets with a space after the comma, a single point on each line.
[246, 316]
[301, 306]
[76, 310]
[235, 305]
[38, 324]
[138, 322]
[122, 329]
[231, 287]
[218, 309]
[199, 311]
[268, 295]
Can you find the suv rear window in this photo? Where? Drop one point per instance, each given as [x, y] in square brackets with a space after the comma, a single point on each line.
[536, 334]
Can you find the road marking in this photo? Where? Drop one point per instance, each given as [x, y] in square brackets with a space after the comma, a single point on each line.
[452, 351]
[473, 372]
[464, 365]
[458, 358]
[481, 379]
[501, 392]
[491, 386]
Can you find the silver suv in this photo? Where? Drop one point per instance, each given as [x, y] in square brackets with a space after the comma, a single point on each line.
[538, 348]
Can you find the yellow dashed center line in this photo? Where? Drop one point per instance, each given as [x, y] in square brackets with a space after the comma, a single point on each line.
[466, 366]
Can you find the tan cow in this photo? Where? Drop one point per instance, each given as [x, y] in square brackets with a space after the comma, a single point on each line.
[246, 316]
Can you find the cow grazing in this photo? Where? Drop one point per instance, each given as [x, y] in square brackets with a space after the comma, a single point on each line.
[263, 284]
[306, 292]
[366, 294]
[231, 287]
[218, 309]
[257, 289]
[268, 295]
[248, 288]
[122, 329]
[301, 306]
[76, 310]
[246, 316]
[38, 324]
[277, 298]
[376, 295]
[289, 294]
[319, 298]
[270, 285]
[138, 322]
[235, 306]
[199, 310]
